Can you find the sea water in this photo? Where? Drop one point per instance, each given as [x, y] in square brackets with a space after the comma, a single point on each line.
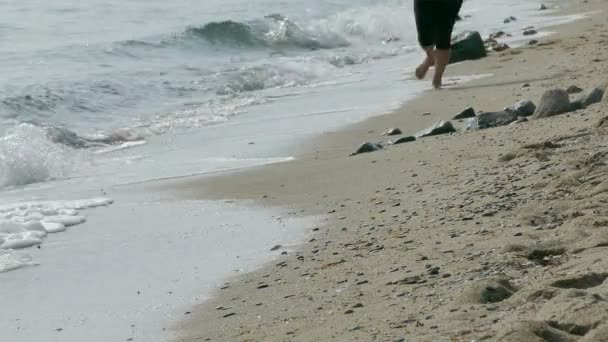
[100, 97]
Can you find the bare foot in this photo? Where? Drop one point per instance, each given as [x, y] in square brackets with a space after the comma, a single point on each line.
[423, 68]
[437, 83]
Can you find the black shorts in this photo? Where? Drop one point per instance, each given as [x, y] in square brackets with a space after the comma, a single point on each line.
[435, 21]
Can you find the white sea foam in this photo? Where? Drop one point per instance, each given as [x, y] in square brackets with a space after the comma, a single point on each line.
[28, 156]
[12, 260]
[26, 224]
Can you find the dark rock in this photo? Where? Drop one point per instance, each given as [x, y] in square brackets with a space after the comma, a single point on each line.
[497, 34]
[403, 140]
[495, 119]
[533, 42]
[433, 271]
[275, 248]
[367, 147]
[573, 89]
[576, 105]
[392, 131]
[553, 102]
[590, 96]
[467, 46]
[510, 19]
[542, 7]
[530, 32]
[465, 114]
[522, 108]
[66, 137]
[441, 127]
[490, 41]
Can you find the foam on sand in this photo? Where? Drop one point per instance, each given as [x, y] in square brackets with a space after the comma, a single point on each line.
[24, 225]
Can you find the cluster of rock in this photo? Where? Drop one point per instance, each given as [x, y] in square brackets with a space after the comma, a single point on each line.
[553, 102]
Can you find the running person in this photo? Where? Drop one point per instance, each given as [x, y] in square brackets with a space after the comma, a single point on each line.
[435, 21]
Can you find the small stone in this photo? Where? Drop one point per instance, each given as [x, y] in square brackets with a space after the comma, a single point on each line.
[263, 286]
[532, 42]
[530, 32]
[348, 312]
[542, 7]
[403, 140]
[276, 248]
[467, 46]
[518, 234]
[358, 305]
[367, 148]
[500, 47]
[522, 108]
[553, 102]
[469, 112]
[497, 34]
[589, 97]
[392, 131]
[441, 127]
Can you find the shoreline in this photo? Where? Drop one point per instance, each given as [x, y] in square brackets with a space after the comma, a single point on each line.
[351, 202]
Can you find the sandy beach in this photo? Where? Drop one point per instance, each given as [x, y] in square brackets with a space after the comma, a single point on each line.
[491, 235]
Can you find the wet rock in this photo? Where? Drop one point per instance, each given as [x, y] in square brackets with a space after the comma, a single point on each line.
[522, 108]
[492, 119]
[497, 34]
[392, 131]
[403, 140]
[543, 7]
[467, 46]
[367, 148]
[533, 42]
[441, 127]
[275, 248]
[530, 32]
[553, 102]
[465, 114]
[590, 96]
[509, 19]
[66, 137]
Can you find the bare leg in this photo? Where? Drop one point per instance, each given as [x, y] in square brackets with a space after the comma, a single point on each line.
[429, 61]
[442, 58]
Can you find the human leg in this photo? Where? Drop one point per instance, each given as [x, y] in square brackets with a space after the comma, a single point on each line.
[424, 25]
[445, 25]
[428, 62]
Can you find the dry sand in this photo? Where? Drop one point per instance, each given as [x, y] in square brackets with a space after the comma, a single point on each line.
[494, 235]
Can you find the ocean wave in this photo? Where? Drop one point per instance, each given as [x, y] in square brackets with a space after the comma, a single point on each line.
[273, 31]
[28, 155]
